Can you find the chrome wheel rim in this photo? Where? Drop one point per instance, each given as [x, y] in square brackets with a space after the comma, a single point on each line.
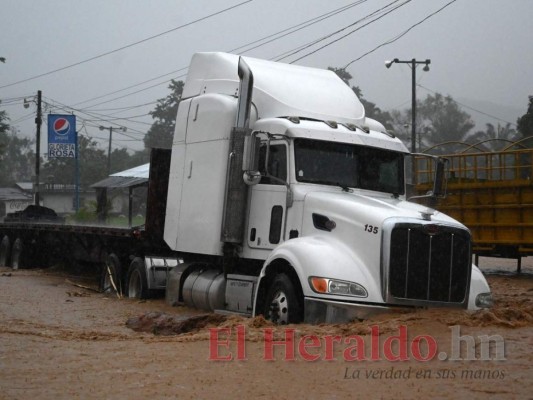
[279, 309]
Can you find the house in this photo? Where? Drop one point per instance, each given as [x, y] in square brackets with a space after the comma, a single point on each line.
[123, 193]
[14, 199]
[62, 198]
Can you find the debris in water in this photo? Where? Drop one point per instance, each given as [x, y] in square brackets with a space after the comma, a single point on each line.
[165, 324]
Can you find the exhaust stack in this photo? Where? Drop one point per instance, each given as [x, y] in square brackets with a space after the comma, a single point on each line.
[236, 189]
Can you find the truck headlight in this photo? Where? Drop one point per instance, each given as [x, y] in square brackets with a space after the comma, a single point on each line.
[334, 286]
[484, 300]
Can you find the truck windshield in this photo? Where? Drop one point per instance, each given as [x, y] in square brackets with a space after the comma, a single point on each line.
[349, 165]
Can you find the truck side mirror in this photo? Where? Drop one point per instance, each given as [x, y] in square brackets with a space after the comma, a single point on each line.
[439, 183]
[250, 161]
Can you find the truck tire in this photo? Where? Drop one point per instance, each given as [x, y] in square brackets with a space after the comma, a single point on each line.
[111, 275]
[137, 282]
[282, 304]
[17, 254]
[5, 250]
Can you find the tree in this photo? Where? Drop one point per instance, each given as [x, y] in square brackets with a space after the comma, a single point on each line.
[162, 130]
[371, 110]
[401, 126]
[122, 160]
[525, 122]
[494, 138]
[4, 128]
[443, 119]
[93, 165]
[16, 154]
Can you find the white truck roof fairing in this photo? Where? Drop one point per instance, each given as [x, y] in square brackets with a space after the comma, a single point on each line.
[279, 89]
[321, 131]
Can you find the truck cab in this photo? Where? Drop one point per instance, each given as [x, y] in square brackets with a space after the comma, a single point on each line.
[285, 200]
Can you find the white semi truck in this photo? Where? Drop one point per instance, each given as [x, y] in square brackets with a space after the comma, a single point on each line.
[285, 200]
[299, 200]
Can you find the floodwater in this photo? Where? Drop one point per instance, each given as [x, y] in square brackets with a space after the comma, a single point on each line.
[61, 340]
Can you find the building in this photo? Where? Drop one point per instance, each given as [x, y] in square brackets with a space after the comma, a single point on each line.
[15, 198]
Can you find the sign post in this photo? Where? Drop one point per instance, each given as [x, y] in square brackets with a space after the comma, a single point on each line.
[61, 136]
[63, 142]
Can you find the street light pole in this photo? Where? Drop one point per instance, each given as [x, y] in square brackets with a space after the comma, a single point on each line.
[123, 129]
[412, 63]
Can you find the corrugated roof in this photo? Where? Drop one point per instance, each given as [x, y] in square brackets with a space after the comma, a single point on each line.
[125, 179]
[11, 194]
[142, 171]
[28, 186]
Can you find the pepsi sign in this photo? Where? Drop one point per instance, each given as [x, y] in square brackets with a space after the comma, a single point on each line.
[61, 136]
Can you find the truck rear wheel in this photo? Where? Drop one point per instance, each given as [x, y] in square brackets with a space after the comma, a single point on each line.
[111, 274]
[17, 253]
[5, 249]
[282, 304]
[137, 282]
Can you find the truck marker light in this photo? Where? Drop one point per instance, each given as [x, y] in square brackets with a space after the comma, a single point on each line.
[319, 285]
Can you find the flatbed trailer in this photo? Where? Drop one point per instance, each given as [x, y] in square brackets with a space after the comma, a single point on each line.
[108, 249]
[492, 194]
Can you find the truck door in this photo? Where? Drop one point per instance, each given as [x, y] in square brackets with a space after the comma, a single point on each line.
[268, 199]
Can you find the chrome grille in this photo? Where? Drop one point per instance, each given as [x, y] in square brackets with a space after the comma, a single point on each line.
[429, 263]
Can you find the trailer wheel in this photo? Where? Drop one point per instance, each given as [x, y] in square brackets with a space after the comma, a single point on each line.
[5, 248]
[111, 282]
[282, 304]
[17, 253]
[137, 282]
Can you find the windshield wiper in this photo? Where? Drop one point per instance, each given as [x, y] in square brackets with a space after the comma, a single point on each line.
[344, 187]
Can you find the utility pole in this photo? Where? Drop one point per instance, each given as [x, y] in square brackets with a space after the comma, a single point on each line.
[412, 63]
[123, 129]
[109, 151]
[38, 122]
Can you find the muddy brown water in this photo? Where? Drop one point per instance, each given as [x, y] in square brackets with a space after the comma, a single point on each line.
[58, 340]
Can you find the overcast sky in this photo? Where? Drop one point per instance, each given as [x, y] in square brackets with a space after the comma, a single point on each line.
[481, 52]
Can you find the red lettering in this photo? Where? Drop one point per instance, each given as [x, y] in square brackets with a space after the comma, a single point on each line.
[215, 343]
[330, 340]
[374, 343]
[431, 344]
[401, 341]
[241, 342]
[288, 343]
[356, 352]
[308, 341]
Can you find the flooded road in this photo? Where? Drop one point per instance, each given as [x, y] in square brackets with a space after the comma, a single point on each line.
[59, 340]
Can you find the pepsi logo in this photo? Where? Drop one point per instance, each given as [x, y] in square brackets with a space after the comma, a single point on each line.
[61, 126]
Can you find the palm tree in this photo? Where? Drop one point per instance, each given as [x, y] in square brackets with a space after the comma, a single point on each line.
[493, 138]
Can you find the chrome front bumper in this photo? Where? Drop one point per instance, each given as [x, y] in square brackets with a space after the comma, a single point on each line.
[334, 312]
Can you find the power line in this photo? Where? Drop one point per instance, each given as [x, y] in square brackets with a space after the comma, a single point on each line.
[298, 27]
[132, 86]
[283, 33]
[132, 93]
[93, 115]
[126, 46]
[401, 34]
[471, 108]
[377, 12]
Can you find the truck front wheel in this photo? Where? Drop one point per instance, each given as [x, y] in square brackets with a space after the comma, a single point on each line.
[282, 304]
